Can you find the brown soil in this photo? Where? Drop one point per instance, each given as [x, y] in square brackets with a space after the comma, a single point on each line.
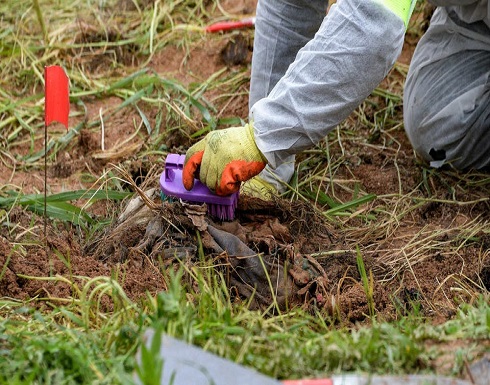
[288, 234]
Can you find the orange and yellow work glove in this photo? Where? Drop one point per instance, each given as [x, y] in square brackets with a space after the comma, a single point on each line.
[224, 159]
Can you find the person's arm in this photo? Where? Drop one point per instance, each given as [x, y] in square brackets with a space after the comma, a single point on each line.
[355, 47]
[282, 28]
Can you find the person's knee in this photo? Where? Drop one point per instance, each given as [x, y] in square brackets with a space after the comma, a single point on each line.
[447, 109]
[447, 94]
[416, 136]
[423, 138]
[416, 115]
[452, 135]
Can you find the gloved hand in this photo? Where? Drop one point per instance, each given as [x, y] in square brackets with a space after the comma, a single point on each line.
[224, 159]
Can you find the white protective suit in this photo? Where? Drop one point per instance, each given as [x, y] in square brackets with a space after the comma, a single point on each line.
[447, 92]
[311, 70]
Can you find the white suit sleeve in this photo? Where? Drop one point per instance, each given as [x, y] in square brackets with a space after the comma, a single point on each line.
[354, 49]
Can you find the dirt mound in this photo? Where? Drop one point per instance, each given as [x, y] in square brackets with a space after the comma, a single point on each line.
[279, 253]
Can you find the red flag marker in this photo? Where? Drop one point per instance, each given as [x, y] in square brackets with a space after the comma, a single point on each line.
[56, 97]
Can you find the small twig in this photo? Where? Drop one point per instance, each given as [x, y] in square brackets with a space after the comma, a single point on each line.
[468, 370]
[40, 18]
[102, 134]
[45, 219]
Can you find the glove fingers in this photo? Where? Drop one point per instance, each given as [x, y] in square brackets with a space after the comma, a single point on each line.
[236, 172]
[208, 173]
[191, 168]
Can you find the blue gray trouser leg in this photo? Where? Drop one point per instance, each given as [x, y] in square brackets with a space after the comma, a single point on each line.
[447, 93]
[282, 28]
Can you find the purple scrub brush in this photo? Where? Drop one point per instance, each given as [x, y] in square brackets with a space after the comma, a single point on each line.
[219, 207]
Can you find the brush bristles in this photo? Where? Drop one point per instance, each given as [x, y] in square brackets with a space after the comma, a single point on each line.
[219, 211]
[223, 212]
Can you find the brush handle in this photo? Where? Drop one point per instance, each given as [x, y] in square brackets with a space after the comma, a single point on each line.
[172, 186]
[173, 162]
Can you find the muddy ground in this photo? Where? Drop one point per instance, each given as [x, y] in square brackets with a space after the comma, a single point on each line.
[312, 259]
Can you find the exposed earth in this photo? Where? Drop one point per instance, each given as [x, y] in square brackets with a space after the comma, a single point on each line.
[311, 259]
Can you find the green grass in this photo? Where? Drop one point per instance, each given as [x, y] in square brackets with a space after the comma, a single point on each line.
[79, 343]
[58, 206]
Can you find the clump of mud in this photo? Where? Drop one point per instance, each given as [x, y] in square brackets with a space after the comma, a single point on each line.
[276, 242]
[277, 252]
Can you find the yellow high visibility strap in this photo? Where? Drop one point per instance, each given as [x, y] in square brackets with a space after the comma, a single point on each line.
[402, 8]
